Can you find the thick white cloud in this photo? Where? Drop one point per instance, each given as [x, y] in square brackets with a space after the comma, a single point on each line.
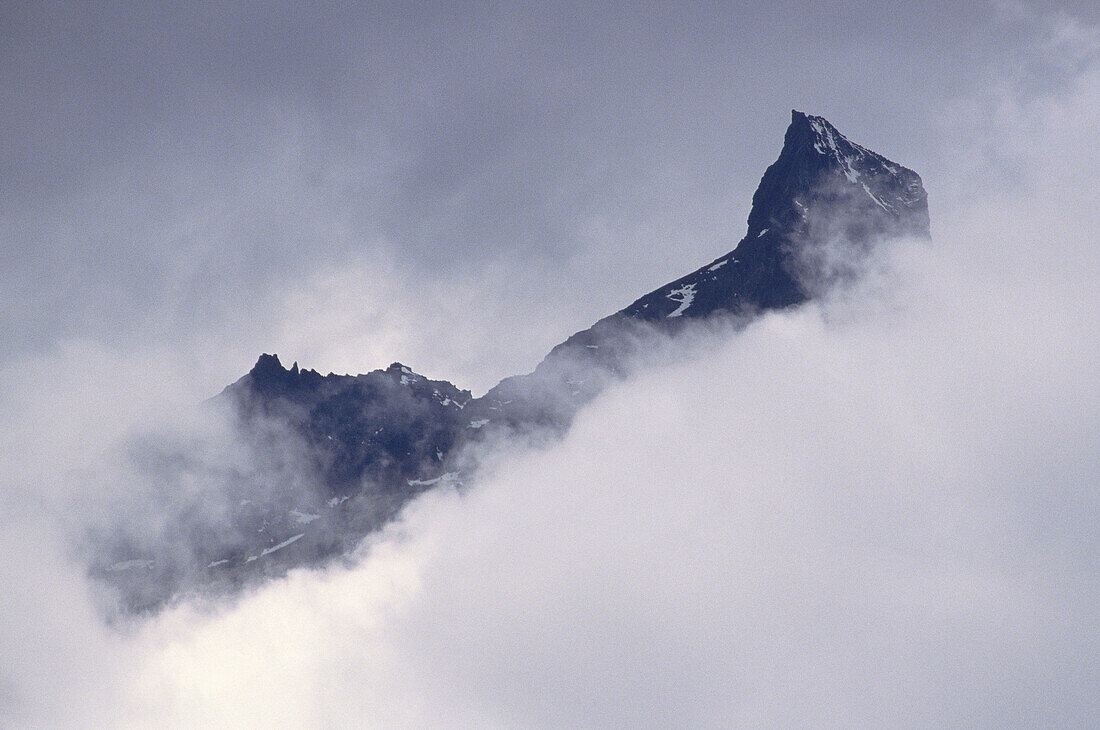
[842, 517]
[880, 510]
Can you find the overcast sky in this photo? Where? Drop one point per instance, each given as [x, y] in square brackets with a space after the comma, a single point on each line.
[876, 510]
[456, 187]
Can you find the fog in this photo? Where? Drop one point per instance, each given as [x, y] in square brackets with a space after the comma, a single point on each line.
[877, 510]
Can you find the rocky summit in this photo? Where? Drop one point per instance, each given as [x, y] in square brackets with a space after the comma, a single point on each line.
[369, 443]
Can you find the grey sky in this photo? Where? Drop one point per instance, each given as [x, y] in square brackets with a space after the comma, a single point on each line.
[170, 168]
[876, 509]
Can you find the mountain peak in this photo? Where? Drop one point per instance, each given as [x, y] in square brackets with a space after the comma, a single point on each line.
[800, 120]
[820, 165]
[803, 121]
[269, 374]
[820, 136]
[823, 191]
[267, 366]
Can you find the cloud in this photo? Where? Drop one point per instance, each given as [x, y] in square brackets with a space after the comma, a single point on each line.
[877, 510]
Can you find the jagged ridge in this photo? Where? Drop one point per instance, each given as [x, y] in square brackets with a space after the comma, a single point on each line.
[377, 439]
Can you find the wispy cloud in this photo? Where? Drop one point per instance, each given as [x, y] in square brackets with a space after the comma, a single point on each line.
[875, 510]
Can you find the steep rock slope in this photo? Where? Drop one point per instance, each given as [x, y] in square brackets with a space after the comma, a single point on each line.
[818, 210]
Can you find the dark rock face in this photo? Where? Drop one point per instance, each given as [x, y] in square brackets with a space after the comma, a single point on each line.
[376, 440]
[383, 427]
[822, 191]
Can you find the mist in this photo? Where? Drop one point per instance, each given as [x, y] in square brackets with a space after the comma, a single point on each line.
[879, 509]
